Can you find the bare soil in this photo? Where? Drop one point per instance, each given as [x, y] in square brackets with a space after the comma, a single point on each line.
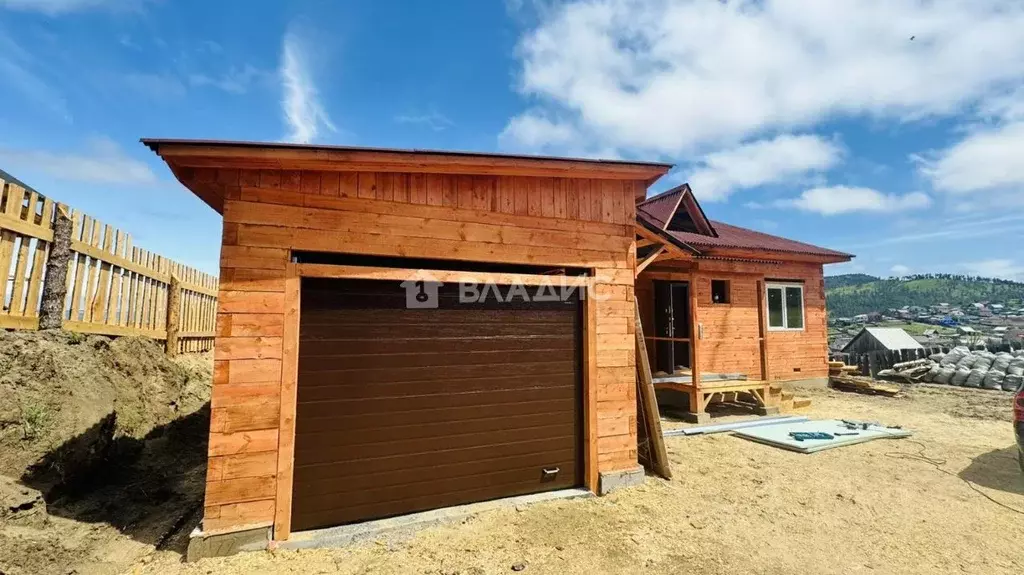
[940, 502]
[102, 451]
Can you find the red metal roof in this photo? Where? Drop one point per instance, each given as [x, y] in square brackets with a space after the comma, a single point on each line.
[659, 209]
[730, 236]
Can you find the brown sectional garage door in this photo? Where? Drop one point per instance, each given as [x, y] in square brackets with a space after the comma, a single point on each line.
[403, 410]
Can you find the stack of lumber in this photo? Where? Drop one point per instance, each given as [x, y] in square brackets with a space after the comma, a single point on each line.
[836, 368]
[860, 384]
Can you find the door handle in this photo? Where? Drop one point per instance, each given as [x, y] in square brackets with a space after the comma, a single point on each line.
[550, 473]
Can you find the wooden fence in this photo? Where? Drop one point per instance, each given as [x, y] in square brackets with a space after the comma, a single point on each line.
[872, 362]
[112, 287]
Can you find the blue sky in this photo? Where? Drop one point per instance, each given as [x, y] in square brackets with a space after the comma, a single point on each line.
[892, 129]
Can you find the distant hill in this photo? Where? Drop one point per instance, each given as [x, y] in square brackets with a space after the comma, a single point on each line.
[853, 294]
[848, 280]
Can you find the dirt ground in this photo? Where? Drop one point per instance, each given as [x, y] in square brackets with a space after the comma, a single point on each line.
[918, 505]
[102, 451]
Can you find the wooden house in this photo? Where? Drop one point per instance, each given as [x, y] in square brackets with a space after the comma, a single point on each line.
[355, 380]
[881, 339]
[337, 399]
[727, 310]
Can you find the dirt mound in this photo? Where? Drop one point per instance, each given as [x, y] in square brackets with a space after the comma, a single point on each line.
[102, 450]
[65, 398]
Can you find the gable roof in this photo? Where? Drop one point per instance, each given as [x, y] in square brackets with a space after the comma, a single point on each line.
[662, 208]
[658, 211]
[889, 337]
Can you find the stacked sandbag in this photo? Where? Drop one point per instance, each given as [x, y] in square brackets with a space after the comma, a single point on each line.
[960, 376]
[997, 373]
[955, 355]
[945, 375]
[979, 368]
[1014, 374]
[932, 373]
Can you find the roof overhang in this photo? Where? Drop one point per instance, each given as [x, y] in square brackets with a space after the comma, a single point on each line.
[183, 156]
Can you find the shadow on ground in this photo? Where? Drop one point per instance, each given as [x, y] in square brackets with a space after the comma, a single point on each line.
[997, 469]
[150, 489]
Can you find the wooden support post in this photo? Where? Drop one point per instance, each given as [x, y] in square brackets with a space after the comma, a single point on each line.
[649, 403]
[696, 334]
[55, 282]
[762, 330]
[173, 315]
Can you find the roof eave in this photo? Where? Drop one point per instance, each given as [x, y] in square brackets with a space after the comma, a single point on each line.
[258, 155]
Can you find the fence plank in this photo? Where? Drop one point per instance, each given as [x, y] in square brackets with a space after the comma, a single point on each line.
[110, 286]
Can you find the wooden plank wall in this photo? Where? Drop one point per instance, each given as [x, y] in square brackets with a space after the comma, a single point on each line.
[524, 220]
[114, 288]
[731, 337]
[731, 342]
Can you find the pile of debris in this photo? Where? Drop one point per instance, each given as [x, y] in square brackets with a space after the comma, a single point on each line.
[965, 368]
[844, 378]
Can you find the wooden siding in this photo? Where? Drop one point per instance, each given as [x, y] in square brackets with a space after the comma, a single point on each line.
[508, 219]
[731, 341]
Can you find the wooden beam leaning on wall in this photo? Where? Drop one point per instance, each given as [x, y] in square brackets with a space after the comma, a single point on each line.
[651, 416]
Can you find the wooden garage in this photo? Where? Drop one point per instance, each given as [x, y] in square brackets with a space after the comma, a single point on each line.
[338, 399]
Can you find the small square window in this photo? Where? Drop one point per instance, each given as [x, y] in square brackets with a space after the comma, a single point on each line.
[719, 291]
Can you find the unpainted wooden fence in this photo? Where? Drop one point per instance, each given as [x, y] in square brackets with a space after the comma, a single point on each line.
[110, 287]
[872, 362]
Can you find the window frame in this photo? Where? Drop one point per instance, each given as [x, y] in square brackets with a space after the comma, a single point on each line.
[785, 316]
[728, 292]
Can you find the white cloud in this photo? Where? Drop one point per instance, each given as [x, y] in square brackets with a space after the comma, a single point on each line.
[435, 121]
[674, 77]
[900, 270]
[987, 159]
[234, 81]
[762, 162]
[103, 162]
[303, 111]
[995, 268]
[58, 7]
[837, 200]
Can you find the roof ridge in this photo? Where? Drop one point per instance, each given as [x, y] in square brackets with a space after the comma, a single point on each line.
[676, 190]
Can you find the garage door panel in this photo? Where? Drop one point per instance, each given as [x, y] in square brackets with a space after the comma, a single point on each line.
[323, 478]
[359, 389]
[318, 449]
[362, 345]
[463, 315]
[385, 405]
[435, 429]
[320, 517]
[425, 329]
[372, 421]
[539, 450]
[341, 375]
[403, 410]
[440, 485]
[460, 357]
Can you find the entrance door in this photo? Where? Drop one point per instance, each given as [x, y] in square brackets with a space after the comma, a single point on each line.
[672, 321]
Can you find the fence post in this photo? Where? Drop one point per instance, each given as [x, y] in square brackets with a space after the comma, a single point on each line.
[173, 315]
[55, 282]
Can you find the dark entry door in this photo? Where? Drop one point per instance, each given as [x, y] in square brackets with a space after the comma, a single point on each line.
[671, 320]
[403, 410]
